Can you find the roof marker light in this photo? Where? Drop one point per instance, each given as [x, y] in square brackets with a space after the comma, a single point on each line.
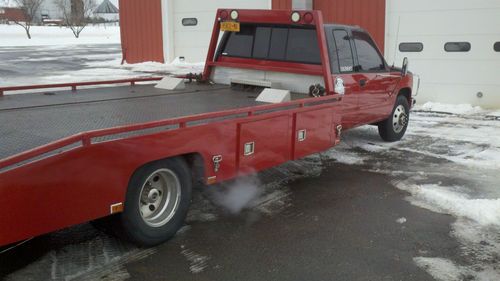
[308, 17]
[295, 16]
[223, 15]
[234, 15]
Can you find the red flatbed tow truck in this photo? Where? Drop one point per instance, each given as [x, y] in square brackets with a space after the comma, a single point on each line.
[134, 152]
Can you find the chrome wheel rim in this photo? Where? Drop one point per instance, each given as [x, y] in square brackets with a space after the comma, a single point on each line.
[399, 119]
[159, 198]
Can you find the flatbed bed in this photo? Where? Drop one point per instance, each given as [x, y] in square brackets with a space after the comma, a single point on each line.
[35, 119]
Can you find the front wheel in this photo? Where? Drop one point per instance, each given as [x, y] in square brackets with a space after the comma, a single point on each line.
[393, 128]
[157, 201]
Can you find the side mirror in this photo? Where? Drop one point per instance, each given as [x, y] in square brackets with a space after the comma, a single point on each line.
[404, 68]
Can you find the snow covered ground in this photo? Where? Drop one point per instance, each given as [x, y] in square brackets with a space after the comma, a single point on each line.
[14, 35]
[62, 64]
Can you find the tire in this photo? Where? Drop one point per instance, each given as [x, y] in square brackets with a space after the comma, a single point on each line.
[394, 128]
[157, 202]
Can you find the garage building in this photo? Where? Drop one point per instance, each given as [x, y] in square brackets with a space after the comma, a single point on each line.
[454, 45]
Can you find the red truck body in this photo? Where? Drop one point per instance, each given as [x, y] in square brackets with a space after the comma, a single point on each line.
[79, 178]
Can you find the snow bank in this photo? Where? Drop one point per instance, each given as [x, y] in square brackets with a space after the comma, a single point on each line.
[450, 108]
[177, 67]
[14, 35]
[450, 200]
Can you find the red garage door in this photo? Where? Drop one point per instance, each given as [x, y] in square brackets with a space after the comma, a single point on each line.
[368, 14]
[141, 30]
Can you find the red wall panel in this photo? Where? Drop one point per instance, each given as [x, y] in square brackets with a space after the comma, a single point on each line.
[368, 14]
[141, 30]
[282, 4]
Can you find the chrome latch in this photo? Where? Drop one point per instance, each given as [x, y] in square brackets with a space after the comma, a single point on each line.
[301, 135]
[217, 159]
[249, 148]
[339, 131]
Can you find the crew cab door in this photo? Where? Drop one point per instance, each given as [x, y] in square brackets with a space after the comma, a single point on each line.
[342, 66]
[372, 76]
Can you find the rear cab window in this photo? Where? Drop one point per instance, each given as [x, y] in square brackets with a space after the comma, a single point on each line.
[275, 43]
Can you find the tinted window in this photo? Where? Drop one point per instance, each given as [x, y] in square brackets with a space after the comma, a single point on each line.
[277, 49]
[273, 43]
[368, 56]
[239, 44]
[457, 47]
[344, 50]
[411, 47]
[261, 43]
[303, 46]
[496, 47]
[190, 21]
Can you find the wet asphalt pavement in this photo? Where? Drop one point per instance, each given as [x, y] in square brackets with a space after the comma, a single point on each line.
[342, 226]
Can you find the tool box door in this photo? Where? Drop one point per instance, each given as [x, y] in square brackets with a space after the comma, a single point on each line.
[315, 132]
[264, 143]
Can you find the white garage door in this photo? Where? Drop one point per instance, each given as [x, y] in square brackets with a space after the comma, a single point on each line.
[450, 43]
[191, 41]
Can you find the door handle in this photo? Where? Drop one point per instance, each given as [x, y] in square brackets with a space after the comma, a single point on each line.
[362, 82]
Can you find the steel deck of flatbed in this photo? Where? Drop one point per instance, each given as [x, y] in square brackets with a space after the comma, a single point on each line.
[31, 120]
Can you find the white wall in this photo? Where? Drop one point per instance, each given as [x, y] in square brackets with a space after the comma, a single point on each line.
[449, 77]
[192, 42]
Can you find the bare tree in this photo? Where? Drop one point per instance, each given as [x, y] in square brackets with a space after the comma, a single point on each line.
[76, 13]
[30, 9]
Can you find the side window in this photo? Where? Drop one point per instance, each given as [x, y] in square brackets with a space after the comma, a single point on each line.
[239, 44]
[457, 47]
[303, 46]
[344, 50]
[368, 56]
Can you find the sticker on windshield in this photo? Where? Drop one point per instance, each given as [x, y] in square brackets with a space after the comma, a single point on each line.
[346, 68]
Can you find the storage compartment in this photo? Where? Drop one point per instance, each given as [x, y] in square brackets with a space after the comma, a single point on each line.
[315, 132]
[264, 143]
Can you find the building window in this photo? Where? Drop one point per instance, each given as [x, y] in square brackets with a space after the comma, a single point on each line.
[2, 11]
[496, 47]
[411, 47]
[457, 47]
[190, 21]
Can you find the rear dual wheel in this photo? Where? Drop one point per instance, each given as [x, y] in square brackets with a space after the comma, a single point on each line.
[393, 128]
[157, 201]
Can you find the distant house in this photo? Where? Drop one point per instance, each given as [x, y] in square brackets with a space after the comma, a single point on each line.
[8, 14]
[107, 11]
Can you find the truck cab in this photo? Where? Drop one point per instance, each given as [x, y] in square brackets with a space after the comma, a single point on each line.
[291, 56]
